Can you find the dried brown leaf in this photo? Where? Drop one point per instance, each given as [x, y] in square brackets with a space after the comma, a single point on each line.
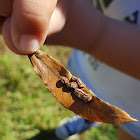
[51, 73]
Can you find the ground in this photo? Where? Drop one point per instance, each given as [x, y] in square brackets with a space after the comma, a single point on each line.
[28, 111]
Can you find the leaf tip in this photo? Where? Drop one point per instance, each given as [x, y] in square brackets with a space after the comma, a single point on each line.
[133, 120]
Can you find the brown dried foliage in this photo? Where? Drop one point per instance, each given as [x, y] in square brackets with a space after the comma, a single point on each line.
[51, 72]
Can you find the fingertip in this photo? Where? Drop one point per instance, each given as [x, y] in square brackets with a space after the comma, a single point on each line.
[29, 44]
[30, 23]
[29, 35]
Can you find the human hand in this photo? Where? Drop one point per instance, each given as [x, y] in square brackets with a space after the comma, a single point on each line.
[25, 24]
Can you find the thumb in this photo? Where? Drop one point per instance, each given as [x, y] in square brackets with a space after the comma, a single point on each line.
[30, 23]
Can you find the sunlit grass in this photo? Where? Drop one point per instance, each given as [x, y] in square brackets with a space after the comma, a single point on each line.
[26, 106]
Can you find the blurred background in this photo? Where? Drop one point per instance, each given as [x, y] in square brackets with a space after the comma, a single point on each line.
[28, 111]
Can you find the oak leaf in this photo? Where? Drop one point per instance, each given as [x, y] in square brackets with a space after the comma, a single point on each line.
[51, 72]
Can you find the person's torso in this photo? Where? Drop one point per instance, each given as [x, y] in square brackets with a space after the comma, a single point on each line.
[111, 85]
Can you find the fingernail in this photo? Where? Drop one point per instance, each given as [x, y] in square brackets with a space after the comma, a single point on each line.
[29, 43]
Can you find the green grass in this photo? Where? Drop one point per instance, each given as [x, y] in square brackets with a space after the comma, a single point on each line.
[28, 111]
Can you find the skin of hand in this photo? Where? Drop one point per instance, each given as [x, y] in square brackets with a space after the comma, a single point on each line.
[113, 42]
[74, 23]
[25, 24]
